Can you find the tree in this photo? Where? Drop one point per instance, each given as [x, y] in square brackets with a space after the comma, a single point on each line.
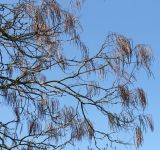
[54, 111]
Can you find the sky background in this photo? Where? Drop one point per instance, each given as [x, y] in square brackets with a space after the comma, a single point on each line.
[138, 20]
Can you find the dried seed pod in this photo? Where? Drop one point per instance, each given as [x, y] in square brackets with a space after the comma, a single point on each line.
[124, 95]
[142, 97]
[138, 136]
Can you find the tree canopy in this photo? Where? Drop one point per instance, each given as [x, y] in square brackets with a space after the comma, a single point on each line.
[53, 89]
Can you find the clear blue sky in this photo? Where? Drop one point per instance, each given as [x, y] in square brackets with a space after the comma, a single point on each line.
[138, 20]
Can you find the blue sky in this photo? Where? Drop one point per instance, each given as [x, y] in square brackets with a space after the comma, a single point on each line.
[139, 21]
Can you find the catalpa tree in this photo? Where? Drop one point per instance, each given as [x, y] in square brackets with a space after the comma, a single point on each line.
[59, 94]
